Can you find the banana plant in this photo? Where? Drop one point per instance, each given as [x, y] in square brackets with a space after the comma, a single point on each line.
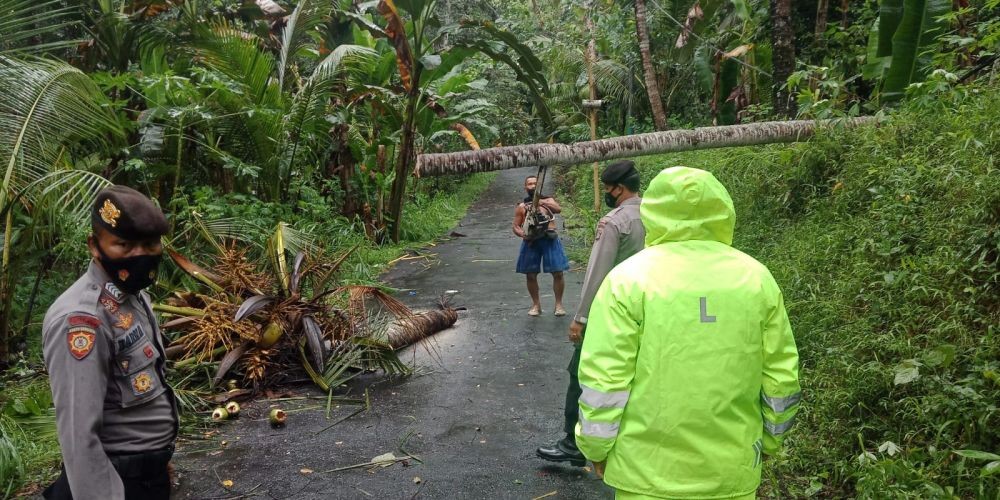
[910, 29]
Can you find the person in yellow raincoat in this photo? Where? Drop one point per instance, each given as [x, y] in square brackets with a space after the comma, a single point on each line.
[689, 369]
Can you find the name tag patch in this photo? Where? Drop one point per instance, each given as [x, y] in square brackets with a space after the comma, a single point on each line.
[130, 338]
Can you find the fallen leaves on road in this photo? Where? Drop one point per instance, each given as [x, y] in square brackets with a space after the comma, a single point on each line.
[228, 483]
[547, 495]
[305, 471]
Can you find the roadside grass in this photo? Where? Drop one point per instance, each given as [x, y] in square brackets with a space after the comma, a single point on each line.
[29, 449]
[886, 243]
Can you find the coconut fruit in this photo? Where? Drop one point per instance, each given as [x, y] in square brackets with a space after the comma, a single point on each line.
[233, 408]
[220, 414]
[277, 417]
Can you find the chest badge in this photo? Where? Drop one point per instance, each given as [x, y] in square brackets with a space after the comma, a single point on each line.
[124, 365]
[142, 383]
[125, 321]
[148, 351]
[123, 275]
[109, 304]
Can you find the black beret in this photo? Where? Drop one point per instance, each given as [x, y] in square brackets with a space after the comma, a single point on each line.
[618, 171]
[129, 214]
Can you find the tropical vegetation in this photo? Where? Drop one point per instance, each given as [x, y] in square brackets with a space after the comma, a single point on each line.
[287, 133]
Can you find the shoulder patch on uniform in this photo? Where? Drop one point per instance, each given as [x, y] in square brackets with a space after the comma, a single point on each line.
[81, 335]
[600, 227]
[113, 291]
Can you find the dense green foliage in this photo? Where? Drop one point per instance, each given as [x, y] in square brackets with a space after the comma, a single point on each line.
[236, 120]
[886, 243]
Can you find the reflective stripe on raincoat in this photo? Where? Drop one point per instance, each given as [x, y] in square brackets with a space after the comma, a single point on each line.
[689, 368]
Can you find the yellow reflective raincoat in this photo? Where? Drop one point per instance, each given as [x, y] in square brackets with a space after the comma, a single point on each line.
[689, 368]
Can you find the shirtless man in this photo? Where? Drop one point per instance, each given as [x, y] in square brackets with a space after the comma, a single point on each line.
[540, 250]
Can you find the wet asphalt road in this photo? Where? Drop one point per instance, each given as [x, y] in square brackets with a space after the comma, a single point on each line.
[487, 393]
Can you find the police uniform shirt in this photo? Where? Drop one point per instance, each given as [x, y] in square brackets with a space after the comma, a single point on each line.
[105, 358]
[620, 235]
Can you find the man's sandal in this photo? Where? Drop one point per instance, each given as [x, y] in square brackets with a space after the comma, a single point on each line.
[535, 311]
[560, 311]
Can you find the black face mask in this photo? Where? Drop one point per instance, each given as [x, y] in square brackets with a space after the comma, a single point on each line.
[611, 200]
[130, 274]
[531, 193]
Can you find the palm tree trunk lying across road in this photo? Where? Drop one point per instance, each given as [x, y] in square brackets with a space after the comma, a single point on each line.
[536, 155]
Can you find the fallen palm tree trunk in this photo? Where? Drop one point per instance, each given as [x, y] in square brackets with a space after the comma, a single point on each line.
[411, 329]
[630, 146]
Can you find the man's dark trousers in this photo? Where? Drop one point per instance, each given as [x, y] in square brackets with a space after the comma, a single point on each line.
[573, 392]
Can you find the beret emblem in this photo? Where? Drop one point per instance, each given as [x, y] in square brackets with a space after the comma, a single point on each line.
[110, 213]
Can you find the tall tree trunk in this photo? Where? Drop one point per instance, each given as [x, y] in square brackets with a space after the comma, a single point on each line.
[821, 15]
[404, 163]
[591, 59]
[6, 292]
[652, 89]
[630, 146]
[783, 57]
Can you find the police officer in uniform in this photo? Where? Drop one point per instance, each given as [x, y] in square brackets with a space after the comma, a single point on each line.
[115, 414]
[620, 235]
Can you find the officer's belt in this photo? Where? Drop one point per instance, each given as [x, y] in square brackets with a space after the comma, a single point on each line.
[143, 464]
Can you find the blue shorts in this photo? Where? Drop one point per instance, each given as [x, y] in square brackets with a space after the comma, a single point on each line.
[543, 253]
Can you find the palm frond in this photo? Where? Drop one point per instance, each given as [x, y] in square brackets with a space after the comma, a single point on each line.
[25, 25]
[344, 57]
[238, 55]
[617, 81]
[68, 190]
[47, 107]
[296, 35]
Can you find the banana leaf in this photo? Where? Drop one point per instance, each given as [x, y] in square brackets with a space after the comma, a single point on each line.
[912, 42]
[890, 15]
[396, 31]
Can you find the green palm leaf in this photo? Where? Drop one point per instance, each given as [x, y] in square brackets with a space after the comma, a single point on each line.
[48, 106]
[296, 35]
[24, 22]
[238, 55]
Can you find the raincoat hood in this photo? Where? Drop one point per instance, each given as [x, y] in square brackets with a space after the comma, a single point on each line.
[683, 204]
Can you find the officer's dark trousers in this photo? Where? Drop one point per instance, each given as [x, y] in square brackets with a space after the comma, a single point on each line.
[144, 476]
[572, 411]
